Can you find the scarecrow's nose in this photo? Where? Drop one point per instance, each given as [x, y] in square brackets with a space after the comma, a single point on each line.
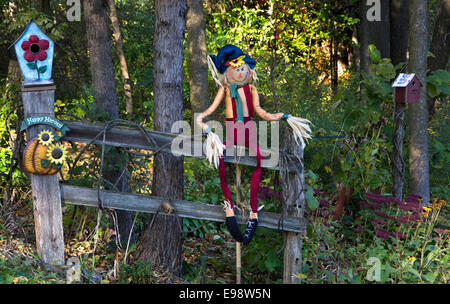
[240, 75]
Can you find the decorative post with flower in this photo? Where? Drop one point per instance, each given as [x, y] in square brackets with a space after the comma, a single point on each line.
[34, 51]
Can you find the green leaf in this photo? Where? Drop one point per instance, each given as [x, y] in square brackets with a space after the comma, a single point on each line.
[312, 175]
[429, 277]
[309, 231]
[310, 199]
[375, 151]
[386, 70]
[214, 198]
[301, 276]
[44, 163]
[32, 65]
[431, 90]
[42, 69]
[414, 272]
[374, 54]
[443, 74]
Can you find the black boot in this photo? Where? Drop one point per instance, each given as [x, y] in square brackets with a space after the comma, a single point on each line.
[250, 230]
[233, 227]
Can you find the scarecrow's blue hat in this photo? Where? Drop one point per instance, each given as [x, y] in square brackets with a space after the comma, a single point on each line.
[227, 54]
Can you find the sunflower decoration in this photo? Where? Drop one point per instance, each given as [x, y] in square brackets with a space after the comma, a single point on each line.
[44, 155]
[235, 63]
[57, 154]
[46, 137]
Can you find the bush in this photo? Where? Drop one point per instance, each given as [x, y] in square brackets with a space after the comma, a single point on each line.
[408, 243]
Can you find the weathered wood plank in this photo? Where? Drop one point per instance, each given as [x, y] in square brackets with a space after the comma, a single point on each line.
[46, 194]
[134, 139]
[294, 205]
[75, 195]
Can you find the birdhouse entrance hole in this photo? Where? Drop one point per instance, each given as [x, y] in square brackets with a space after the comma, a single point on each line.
[34, 48]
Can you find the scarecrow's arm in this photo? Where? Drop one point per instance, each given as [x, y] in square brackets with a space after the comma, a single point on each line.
[211, 109]
[260, 111]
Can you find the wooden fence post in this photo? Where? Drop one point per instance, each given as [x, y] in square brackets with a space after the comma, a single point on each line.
[398, 168]
[238, 244]
[39, 101]
[294, 195]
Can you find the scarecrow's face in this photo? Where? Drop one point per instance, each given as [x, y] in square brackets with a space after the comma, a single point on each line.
[240, 75]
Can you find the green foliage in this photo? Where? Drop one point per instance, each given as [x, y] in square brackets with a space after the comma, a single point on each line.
[200, 187]
[23, 267]
[374, 54]
[407, 252]
[438, 84]
[139, 272]
[8, 122]
[362, 159]
[264, 253]
[137, 25]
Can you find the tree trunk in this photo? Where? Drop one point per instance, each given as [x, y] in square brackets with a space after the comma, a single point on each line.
[4, 62]
[123, 62]
[417, 112]
[440, 42]
[334, 44]
[14, 74]
[161, 243]
[197, 64]
[104, 86]
[45, 7]
[440, 45]
[373, 31]
[100, 57]
[399, 31]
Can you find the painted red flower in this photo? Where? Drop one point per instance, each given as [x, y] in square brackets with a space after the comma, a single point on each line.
[35, 48]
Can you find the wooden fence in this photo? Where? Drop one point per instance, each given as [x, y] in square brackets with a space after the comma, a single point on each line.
[48, 193]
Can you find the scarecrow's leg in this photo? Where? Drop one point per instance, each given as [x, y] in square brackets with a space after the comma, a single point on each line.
[252, 223]
[233, 227]
[256, 178]
[223, 182]
[230, 219]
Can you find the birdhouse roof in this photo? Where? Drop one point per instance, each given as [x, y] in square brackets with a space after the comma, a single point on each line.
[403, 80]
[31, 26]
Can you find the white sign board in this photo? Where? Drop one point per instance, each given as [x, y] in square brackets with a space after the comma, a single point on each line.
[403, 80]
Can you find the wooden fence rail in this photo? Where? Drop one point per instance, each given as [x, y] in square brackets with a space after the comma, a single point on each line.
[134, 139]
[151, 204]
[48, 193]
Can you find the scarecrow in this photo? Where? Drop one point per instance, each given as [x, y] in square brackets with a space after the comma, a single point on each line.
[234, 71]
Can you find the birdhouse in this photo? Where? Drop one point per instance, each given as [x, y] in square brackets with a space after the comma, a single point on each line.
[406, 88]
[34, 51]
